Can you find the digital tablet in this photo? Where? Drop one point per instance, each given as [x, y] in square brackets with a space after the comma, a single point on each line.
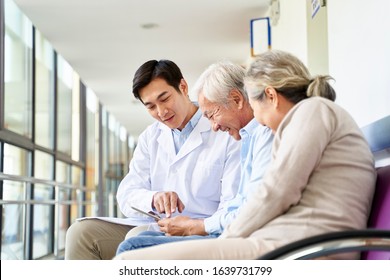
[150, 214]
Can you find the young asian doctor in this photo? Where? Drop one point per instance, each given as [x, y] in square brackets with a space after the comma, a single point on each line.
[180, 166]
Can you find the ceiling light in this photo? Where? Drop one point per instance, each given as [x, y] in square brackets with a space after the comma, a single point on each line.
[149, 25]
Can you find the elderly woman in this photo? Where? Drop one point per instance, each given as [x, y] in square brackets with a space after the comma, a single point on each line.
[321, 178]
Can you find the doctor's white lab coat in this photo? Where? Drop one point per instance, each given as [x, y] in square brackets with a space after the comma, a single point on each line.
[205, 173]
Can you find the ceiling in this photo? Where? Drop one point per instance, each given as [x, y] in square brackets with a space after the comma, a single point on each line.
[105, 41]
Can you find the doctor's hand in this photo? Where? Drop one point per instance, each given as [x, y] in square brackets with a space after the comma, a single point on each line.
[182, 226]
[167, 202]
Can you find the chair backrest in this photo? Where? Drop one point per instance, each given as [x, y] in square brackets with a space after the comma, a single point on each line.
[380, 211]
[378, 137]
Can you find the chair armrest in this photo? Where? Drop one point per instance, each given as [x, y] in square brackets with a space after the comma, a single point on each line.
[331, 243]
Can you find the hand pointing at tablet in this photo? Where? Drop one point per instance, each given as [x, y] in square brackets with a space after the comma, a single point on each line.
[167, 202]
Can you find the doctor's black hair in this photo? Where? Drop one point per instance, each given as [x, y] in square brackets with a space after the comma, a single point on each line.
[152, 69]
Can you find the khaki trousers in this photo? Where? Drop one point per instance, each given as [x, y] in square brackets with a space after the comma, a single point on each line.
[249, 248]
[94, 239]
[207, 249]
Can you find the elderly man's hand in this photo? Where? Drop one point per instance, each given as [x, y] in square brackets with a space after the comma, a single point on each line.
[182, 226]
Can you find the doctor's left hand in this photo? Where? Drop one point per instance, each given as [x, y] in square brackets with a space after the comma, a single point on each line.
[182, 226]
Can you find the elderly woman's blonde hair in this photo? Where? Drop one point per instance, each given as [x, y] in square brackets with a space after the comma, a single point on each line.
[288, 75]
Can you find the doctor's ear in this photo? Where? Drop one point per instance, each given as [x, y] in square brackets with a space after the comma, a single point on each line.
[183, 86]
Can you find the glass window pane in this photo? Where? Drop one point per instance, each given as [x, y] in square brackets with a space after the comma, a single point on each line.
[77, 195]
[62, 172]
[43, 214]
[12, 235]
[44, 100]
[64, 108]
[76, 117]
[92, 208]
[105, 164]
[43, 166]
[17, 71]
[63, 224]
[124, 152]
[16, 162]
[115, 167]
[92, 151]
[61, 221]
[42, 223]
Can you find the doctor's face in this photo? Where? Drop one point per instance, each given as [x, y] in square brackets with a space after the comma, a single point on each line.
[222, 117]
[166, 104]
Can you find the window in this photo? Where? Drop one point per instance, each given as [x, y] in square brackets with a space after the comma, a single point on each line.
[76, 194]
[63, 175]
[43, 213]
[64, 106]
[17, 71]
[44, 92]
[50, 169]
[16, 162]
[92, 149]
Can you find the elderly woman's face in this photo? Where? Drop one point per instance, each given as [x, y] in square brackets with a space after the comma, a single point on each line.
[269, 110]
[261, 110]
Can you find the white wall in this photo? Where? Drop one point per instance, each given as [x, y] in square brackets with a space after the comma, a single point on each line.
[358, 50]
[317, 40]
[359, 56]
[290, 33]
